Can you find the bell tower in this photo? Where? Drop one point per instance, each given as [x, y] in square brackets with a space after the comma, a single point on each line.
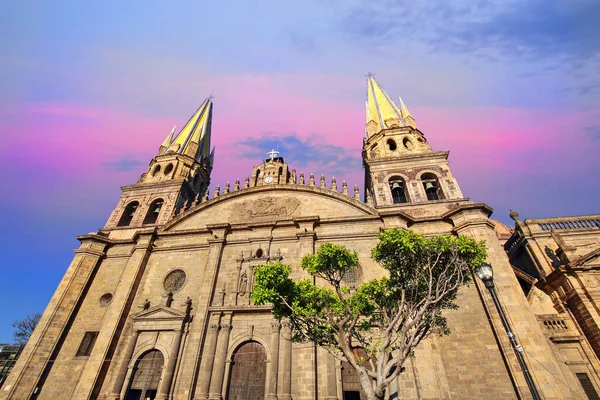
[176, 177]
[400, 166]
[273, 171]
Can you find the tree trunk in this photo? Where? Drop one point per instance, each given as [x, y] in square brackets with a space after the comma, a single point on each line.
[367, 386]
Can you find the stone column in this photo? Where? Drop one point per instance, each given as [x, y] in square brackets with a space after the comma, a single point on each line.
[285, 389]
[167, 378]
[216, 381]
[274, 366]
[120, 379]
[207, 362]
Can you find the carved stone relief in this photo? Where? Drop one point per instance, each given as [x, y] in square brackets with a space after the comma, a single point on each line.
[270, 207]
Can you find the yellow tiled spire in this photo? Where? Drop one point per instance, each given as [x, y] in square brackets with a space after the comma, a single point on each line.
[380, 107]
[195, 135]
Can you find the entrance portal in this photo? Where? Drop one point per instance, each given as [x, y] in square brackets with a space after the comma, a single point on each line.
[248, 373]
[350, 381]
[146, 376]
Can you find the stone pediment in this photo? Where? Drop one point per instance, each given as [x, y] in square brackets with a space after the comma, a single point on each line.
[158, 313]
[590, 260]
[273, 203]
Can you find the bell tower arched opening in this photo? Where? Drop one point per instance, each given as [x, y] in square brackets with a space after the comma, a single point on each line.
[432, 187]
[398, 189]
[128, 214]
[153, 212]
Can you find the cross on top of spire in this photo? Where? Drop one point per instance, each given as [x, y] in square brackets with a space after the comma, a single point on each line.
[369, 73]
[273, 153]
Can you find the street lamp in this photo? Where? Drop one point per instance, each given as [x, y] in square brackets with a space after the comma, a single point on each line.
[486, 274]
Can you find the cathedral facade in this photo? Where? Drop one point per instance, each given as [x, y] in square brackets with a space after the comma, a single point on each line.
[156, 305]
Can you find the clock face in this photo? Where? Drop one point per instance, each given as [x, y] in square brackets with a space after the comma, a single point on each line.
[268, 179]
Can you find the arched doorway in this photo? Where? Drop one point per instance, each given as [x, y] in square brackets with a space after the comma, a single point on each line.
[248, 373]
[146, 376]
[350, 381]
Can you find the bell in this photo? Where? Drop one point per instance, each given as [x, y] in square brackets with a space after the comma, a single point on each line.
[157, 209]
[429, 186]
[396, 185]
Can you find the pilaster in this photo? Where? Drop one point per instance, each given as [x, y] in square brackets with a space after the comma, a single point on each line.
[115, 317]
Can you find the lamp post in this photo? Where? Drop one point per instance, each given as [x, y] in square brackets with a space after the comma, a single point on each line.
[486, 274]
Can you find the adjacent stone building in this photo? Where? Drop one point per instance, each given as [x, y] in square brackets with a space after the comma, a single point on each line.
[156, 305]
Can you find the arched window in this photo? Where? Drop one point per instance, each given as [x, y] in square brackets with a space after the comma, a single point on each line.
[248, 374]
[146, 376]
[432, 187]
[398, 189]
[391, 144]
[128, 214]
[153, 211]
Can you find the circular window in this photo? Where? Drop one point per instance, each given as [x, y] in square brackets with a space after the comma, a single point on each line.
[352, 276]
[106, 299]
[174, 280]
[391, 144]
[407, 143]
[259, 253]
[168, 169]
[156, 170]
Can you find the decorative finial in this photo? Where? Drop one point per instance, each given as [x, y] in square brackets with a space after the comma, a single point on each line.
[205, 198]
[333, 184]
[273, 153]
[311, 180]
[227, 187]
[302, 178]
[237, 185]
[514, 215]
[345, 188]
[247, 183]
[217, 191]
[356, 192]
[322, 181]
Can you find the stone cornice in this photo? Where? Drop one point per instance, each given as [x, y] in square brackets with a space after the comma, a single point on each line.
[268, 188]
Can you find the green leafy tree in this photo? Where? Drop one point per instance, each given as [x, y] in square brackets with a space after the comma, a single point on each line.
[387, 317]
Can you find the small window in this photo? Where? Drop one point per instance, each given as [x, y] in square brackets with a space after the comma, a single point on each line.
[156, 170]
[153, 211]
[87, 344]
[168, 169]
[391, 144]
[259, 253]
[407, 144]
[128, 214]
[398, 190]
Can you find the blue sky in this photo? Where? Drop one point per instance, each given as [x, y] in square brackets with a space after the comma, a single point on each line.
[90, 89]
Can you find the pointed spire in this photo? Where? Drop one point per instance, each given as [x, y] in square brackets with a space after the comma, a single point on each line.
[194, 138]
[406, 115]
[167, 142]
[381, 109]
